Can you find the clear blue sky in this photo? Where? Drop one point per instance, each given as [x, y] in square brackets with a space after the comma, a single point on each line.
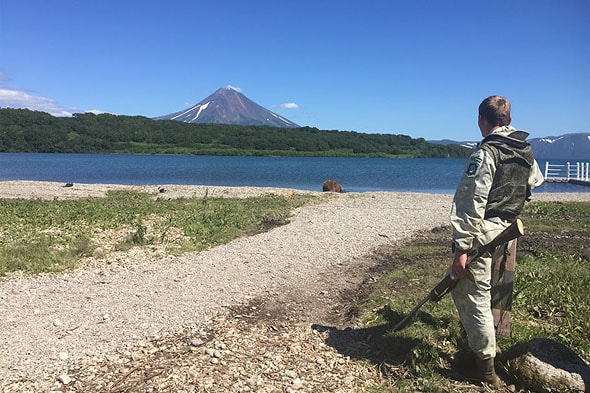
[412, 67]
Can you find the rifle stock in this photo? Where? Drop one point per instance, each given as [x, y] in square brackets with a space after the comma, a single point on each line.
[448, 283]
[514, 231]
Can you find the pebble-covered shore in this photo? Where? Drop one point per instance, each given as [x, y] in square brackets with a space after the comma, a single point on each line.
[52, 325]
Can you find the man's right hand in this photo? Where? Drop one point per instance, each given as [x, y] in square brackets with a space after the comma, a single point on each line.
[459, 264]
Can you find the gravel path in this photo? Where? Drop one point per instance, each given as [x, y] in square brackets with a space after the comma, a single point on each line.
[49, 321]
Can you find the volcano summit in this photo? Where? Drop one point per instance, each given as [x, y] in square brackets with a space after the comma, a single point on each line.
[229, 106]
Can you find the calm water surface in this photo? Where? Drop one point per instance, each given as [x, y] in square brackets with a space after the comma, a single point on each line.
[355, 174]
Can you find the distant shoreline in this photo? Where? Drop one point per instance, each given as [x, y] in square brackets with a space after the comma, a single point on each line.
[27, 189]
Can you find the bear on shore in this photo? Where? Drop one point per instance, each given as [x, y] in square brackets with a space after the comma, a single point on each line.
[331, 186]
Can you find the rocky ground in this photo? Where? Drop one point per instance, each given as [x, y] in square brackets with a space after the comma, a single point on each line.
[268, 313]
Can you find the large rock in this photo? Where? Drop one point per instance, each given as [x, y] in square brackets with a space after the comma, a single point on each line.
[544, 365]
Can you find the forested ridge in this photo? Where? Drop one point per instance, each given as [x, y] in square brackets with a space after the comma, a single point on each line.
[23, 130]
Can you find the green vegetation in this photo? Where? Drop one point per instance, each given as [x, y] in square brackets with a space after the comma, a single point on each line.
[22, 130]
[554, 275]
[550, 301]
[551, 282]
[48, 236]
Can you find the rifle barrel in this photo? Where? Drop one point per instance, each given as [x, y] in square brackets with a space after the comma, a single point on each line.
[404, 322]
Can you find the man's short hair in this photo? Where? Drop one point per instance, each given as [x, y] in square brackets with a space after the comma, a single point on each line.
[496, 110]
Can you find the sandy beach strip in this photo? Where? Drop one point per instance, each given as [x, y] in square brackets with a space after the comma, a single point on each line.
[25, 189]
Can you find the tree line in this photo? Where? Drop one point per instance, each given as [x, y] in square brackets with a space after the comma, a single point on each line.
[23, 130]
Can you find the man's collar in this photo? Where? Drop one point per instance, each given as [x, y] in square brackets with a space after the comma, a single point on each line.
[503, 130]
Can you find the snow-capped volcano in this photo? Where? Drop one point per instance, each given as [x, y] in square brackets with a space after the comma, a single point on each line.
[228, 106]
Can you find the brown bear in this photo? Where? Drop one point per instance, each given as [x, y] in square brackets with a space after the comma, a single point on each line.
[331, 186]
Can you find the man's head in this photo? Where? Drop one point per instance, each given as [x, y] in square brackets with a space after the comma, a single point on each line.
[494, 112]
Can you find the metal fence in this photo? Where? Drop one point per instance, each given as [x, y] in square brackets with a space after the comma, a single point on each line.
[578, 171]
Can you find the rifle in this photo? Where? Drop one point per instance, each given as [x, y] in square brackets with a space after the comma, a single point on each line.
[448, 283]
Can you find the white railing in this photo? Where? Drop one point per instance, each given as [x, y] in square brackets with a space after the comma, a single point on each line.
[579, 171]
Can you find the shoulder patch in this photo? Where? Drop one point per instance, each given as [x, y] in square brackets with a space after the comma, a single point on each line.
[473, 167]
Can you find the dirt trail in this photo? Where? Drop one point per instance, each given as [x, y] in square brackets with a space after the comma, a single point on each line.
[73, 330]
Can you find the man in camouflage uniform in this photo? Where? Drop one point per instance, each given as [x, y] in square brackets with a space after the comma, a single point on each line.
[497, 181]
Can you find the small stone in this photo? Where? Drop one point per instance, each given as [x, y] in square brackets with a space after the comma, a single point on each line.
[297, 384]
[220, 345]
[251, 382]
[63, 356]
[99, 252]
[65, 379]
[295, 348]
[197, 342]
[57, 323]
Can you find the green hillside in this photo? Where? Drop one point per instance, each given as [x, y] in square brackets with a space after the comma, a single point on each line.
[22, 130]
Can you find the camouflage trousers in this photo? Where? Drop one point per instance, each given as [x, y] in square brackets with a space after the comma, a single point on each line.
[472, 296]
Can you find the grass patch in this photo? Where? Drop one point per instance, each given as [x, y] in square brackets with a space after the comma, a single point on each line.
[550, 301]
[47, 236]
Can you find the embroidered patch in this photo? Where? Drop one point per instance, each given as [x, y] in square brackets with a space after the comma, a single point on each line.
[473, 168]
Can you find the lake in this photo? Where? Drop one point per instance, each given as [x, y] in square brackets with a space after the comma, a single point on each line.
[306, 173]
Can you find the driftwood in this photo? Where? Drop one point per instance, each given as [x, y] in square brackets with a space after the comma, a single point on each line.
[331, 186]
[544, 365]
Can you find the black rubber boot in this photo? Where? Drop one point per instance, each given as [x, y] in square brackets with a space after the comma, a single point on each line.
[465, 359]
[487, 373]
